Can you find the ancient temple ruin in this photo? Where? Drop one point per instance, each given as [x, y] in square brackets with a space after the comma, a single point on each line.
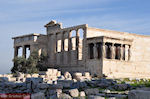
[82, 48]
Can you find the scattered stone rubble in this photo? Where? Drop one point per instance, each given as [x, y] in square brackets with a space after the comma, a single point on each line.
[53, 85]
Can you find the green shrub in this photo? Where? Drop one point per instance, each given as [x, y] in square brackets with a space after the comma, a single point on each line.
[33, 64]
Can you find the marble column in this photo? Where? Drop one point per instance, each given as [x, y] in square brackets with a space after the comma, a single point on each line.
[62, 47]
[16, 51]
[69, 41]
[113, 51]
[62, 42]
[126, 52]
[129, 53]
[121, 52]
[95, 51]
[24, 51]
[56, 49]
[56, 41]
[84, 42]
[77, 43]
[69, 47]
[104, 50]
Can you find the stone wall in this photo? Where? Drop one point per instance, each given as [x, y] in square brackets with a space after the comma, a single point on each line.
[66, 48]
[137, 66]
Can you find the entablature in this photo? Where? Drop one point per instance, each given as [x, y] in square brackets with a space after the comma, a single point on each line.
[107, 39]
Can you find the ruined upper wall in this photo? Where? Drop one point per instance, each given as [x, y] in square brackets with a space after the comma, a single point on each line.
[53, 27]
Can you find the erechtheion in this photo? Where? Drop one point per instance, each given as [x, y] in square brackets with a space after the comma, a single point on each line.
[98, 51]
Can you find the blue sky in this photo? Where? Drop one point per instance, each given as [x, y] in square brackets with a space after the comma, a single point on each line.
[19, 17]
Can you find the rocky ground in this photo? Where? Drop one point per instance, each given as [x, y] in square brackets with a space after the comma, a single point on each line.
[53, 85]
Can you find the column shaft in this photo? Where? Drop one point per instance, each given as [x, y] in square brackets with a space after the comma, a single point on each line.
[126, 52]
[62, 42]
[121, 52]
[62, 48]
[56, 49]
[104, 50]
[24, 51]
[95, 51]
[129, 53]
[77, 43]
[69, 47]
[113, 51]
[84, 42]
[69, 41]
[15, 51]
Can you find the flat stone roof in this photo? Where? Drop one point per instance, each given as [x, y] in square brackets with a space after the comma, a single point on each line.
[134, 34]
[32, 34]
